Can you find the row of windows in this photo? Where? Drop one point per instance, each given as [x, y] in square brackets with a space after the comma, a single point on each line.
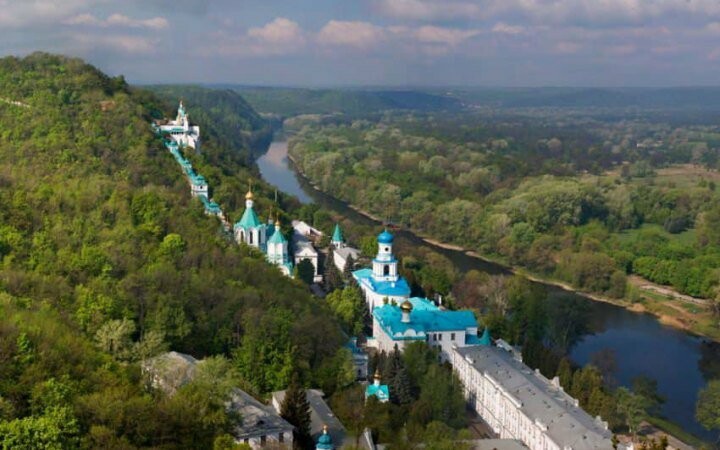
[438, 336]
[263, 439]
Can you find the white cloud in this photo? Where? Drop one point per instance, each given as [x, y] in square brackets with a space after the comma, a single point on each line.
[22, 13]
[280, 37]
[503, 28]
[427, 9]
[361, 35]
[440, 35]
[121, 43]
[281, 32]
[117, 20]
[588, 12]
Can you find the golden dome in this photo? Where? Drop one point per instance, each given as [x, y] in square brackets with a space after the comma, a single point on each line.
[249, 195]
[377, 374]
[406, 306]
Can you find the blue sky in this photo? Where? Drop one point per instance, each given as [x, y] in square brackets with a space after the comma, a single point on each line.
[379, 42]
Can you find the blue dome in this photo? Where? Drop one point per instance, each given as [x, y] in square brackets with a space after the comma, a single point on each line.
[325, 442]
[385, 237]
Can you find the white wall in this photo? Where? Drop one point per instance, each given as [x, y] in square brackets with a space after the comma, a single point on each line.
[498, 409]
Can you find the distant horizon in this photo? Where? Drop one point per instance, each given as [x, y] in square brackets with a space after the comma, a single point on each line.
[416, 87]
[405, 43]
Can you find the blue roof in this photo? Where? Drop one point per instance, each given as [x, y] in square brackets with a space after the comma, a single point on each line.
[385, 237]
[398, 288]
[249, 220]
[425, 318]
[381, 392]
[325, 442]
[210, 206]
[352, 346]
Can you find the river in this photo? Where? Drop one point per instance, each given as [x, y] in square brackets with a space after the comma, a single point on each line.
[640, 344]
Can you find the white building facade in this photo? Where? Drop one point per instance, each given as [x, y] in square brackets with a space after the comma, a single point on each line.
[180, 130]
[519, 403]
[419, 319]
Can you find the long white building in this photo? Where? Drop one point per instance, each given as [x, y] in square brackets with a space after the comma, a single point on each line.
[519, 403]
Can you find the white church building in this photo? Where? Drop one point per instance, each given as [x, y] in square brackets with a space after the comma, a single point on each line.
[181, 131]
[382, 282]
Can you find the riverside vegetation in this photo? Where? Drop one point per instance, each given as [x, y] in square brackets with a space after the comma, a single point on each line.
[586, 197]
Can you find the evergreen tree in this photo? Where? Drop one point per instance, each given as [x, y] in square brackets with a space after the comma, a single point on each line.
[349, 267]
[400, 388]
[305, 271]
[392, 364]
[333, 278]
[296, 410]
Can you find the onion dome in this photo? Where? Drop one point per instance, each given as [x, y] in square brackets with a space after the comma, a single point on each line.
[406, 306]
[385, 237]
[249, 195]
[325, 441]
[377, 375]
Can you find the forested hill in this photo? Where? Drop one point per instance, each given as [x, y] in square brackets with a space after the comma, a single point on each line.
[223, 114]
[107, 260]
[295, 101]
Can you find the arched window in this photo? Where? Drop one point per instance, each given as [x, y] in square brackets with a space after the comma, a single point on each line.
[386, 270]
[250, 236]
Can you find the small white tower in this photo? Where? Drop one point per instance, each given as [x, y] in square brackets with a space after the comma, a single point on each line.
[385, 264]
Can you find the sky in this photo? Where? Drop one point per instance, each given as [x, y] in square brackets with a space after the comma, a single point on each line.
[378, 42]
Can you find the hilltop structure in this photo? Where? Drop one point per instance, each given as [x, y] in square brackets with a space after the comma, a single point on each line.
[175, 138]
[181, 131]
[519, 403]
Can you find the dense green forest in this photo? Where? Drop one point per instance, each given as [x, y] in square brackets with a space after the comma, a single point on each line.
[294, 101]
[573, 196]
[107, 260]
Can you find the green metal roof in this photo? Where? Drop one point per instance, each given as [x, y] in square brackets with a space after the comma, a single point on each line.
[277, 237]
[337, 234]
[249, 220]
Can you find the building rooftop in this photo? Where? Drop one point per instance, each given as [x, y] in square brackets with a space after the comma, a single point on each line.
[345, 251]
[320, 416]
[496, 444]
[382, 392]
[424, 318]
[249, 220]
[397, 288]
[337, 234]
[277, 237]
[541, 400]
[257, 419]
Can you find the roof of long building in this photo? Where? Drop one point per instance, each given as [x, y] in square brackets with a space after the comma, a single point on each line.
[568, 425]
